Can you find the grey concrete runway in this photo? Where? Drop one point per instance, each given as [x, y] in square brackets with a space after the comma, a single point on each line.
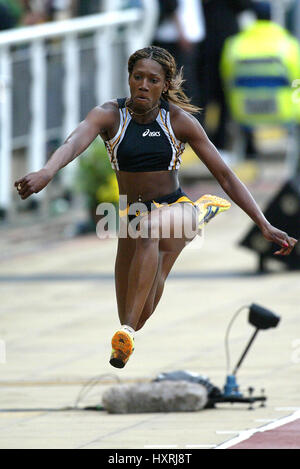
[58, 313]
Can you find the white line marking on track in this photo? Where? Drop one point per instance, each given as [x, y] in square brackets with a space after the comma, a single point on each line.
[265, 420]
[245, 435]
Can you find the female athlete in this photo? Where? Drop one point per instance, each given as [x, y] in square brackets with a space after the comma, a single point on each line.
[145, 136]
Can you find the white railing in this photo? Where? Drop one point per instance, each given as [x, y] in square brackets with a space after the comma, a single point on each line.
[136, 30]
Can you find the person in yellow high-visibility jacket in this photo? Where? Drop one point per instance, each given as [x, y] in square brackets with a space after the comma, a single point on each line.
[260, 68]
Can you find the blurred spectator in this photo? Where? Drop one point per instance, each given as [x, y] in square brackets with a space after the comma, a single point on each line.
[87, 7]
[25, 12]
[181, 31]
[293, 17]
[61, 9]
[7, 20]
[221, 20]
[11, 13]
[35, 12]
[259, 66]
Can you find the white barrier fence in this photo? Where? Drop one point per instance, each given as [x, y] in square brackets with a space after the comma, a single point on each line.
[129, 26]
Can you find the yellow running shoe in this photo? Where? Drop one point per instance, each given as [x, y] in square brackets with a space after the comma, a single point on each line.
[209, 206]
[122, 347]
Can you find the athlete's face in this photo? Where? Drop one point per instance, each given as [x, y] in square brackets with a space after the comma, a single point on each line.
[147, 83]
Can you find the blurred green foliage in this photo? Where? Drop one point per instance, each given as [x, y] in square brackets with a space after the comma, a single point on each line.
[95, 178]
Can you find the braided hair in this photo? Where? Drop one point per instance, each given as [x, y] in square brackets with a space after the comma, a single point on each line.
[175, 93]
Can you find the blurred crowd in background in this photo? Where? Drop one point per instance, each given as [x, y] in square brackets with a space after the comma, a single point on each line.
[15, 13]
[194, 31]
[241, 58]
[241, 61]
[250, 79]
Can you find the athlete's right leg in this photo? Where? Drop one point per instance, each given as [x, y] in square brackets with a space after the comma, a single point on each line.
[136, 269]
[122, 341]
[125, 253]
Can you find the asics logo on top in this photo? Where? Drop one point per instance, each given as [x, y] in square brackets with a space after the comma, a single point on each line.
[151, 134]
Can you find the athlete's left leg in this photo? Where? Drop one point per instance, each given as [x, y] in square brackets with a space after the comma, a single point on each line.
[208, 207]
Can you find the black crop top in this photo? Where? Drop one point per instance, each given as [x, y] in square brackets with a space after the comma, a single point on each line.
[144, 147]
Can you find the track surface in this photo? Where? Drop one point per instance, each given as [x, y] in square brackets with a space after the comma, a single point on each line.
[58, 313]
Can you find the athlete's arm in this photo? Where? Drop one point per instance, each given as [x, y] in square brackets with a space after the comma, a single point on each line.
[99, 119]
[188, 129]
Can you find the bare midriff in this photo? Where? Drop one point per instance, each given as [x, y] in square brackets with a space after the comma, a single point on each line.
[146, 186]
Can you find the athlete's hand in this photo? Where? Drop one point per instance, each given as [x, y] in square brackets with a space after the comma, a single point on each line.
[32, 183]
[281, 238]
